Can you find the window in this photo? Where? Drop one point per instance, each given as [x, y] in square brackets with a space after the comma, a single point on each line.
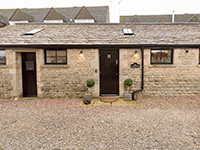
[199, 56]
[56, 56]
[2, 57]
[32, 32]
[128, 32]
[161, 56]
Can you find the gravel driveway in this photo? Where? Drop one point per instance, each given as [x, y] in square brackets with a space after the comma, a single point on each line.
[161, 123]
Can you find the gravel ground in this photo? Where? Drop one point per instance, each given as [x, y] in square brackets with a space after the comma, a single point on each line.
[154, 123]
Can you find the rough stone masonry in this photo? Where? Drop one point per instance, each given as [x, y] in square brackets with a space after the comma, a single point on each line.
[182, 78]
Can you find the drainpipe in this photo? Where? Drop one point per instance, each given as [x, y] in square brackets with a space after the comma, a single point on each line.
[142, 77]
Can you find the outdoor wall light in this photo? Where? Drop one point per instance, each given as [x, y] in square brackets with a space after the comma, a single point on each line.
[81, 56]
[187, 51]
[135, 52]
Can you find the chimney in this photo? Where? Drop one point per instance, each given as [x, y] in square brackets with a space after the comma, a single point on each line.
[173, 17]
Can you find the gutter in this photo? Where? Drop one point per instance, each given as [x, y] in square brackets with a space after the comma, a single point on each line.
[142, 77]
[89, 46]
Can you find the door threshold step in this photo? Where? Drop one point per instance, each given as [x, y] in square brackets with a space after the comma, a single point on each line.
[27, 98]
[108, 97]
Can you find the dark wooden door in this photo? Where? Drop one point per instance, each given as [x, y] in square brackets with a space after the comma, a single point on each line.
[109, 72]
[29, 75]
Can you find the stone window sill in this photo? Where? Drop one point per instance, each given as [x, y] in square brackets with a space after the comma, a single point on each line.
[3, 66]
[162, 66]
[55, 66]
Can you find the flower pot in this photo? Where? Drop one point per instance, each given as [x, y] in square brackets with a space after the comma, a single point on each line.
[87, 98]
[127, 96]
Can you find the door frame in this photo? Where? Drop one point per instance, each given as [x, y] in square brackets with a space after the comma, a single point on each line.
[23, 73]
[109, 49]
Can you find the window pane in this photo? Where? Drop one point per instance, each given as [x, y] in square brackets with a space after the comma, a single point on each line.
[161, 56]
[156, 52]
[199, 56]
[2, 60]
[61, 60]
[156, 59]
[166, 53]
[51, 53]
[166, 59]
[2, 56]
[2, 53]
[61, 53]
[51, 60]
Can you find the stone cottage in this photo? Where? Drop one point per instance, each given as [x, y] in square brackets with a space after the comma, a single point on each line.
[56, 60]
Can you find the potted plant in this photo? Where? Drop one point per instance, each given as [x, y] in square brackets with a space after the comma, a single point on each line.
[87, 98]
[127, 95]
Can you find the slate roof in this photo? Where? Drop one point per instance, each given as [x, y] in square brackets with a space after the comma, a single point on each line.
[2, 24]
[100, 13]
[2, 20]
[7, 14]
[101, 34]
[179, 18]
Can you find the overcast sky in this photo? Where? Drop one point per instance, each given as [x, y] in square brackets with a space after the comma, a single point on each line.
[126, 7]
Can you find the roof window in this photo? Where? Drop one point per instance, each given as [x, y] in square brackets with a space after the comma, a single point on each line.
[128, 32]
[32, 32]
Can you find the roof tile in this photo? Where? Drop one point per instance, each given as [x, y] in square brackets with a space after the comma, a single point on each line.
[92, 34]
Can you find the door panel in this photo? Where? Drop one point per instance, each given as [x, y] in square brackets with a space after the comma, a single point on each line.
[29, 75]
[109, 72]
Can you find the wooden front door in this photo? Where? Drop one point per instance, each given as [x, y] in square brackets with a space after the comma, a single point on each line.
[109, 72]
[29, 75]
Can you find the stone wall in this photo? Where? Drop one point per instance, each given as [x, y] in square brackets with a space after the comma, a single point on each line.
[70, 80]
[182, 78]
[5, 81]
[178, 79]
[128, 57]
[53, 81]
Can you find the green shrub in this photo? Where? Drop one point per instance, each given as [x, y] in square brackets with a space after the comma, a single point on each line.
[90, 82]
[128, 82]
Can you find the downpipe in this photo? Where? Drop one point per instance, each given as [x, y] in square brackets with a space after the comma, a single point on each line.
[142, 77]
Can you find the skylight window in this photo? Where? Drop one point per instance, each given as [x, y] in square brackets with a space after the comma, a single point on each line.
[32, 32]
[128, 32]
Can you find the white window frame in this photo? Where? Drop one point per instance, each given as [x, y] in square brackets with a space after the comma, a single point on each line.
[84, 20]
[18, 22]
[53, 21]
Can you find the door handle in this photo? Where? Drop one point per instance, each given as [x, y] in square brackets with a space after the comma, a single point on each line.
[117, 74]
